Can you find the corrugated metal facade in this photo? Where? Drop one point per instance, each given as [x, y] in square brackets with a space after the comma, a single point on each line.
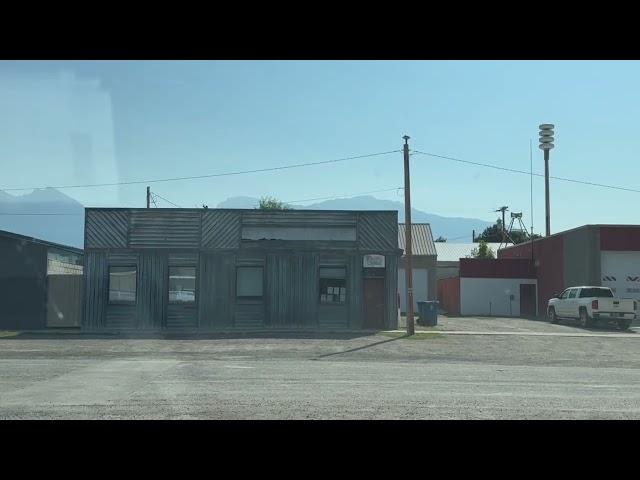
[211, 241]
[421, 239]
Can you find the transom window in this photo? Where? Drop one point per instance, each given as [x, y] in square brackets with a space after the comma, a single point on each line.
[333, 285]
[122, 284]
[182, 284]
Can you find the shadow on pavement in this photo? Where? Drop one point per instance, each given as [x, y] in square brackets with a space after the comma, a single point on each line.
[359, 348]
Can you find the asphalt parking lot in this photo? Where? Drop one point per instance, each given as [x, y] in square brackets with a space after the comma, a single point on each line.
[467, 368]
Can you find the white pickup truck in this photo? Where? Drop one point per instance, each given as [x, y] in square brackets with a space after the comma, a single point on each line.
[592, 304]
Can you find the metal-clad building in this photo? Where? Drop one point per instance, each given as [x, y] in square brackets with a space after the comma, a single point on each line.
[213, 269]
[607, 255]
[423, 265]
[40, 283]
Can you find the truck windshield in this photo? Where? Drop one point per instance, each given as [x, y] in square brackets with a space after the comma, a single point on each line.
[595, 292]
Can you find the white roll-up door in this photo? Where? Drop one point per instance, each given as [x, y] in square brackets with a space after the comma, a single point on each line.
[620, 271]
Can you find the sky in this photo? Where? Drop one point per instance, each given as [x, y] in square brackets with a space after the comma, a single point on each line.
[66, 123]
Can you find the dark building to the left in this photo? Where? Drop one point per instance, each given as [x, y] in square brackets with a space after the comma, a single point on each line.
[40, 283]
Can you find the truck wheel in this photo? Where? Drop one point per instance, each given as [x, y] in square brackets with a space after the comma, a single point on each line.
[552, 315]
[585, 321]
[624, 324]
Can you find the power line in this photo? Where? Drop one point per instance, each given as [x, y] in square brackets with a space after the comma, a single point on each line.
[513, 170]
[226, 174]
[153, 194]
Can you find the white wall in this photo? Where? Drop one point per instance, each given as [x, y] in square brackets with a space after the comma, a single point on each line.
[477, 293]
[420, 287]
[625, 268]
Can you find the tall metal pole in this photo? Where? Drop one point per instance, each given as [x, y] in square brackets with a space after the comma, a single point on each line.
[407, 226]
[547, 214]
[546, 144]
[148, 197]
[503, 232]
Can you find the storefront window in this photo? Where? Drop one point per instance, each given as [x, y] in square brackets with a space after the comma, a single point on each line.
[182, 284]
[333, 285]
[122, 285]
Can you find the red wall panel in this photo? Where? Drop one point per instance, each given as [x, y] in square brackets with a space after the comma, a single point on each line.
[620, 238]
[498, 268]
[449, 295]
[548, 257]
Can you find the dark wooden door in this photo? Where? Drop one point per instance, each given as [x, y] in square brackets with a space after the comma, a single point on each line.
[527, 300]
[374, 305]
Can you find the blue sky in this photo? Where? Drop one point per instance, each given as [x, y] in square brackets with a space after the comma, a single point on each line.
[141, 120]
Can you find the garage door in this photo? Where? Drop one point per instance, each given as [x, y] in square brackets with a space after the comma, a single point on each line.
[420, 288]
[621, 272]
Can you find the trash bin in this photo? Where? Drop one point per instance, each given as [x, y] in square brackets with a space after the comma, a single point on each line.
[428, 313]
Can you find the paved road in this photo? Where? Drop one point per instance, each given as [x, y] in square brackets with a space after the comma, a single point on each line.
[323, 377]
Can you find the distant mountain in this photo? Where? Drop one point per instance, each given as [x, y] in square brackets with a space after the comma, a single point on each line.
[63, 222]
[239, 202]
[64, 219]
[457, 229]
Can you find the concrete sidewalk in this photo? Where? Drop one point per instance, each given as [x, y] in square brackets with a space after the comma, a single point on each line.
[631, 334]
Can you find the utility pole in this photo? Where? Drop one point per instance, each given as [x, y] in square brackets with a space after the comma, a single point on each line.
[407, 226]
[148, 197]
[503, 209]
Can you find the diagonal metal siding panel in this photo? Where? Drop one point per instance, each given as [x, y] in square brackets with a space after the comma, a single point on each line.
[153, 228]
[220, 229]
[106, 229]
[378, 231]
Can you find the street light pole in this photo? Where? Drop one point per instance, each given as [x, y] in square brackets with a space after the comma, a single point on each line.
[546, 144]
[407, 226]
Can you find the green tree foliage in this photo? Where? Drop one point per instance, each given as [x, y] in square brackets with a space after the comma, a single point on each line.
[440, 239]
[270, 203]
[483, 251]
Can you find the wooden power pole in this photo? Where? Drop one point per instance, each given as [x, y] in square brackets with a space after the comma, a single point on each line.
[148, 197]
[407, 226]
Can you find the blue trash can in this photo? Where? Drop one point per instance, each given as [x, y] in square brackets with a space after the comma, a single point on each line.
[428, 312]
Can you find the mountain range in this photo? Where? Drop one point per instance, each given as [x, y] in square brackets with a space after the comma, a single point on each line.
[456, 229]
[49, 214]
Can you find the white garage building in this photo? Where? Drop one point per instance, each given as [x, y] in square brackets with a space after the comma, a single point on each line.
[424, 258]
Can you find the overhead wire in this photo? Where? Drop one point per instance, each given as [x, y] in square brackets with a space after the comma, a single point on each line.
[212, 175]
